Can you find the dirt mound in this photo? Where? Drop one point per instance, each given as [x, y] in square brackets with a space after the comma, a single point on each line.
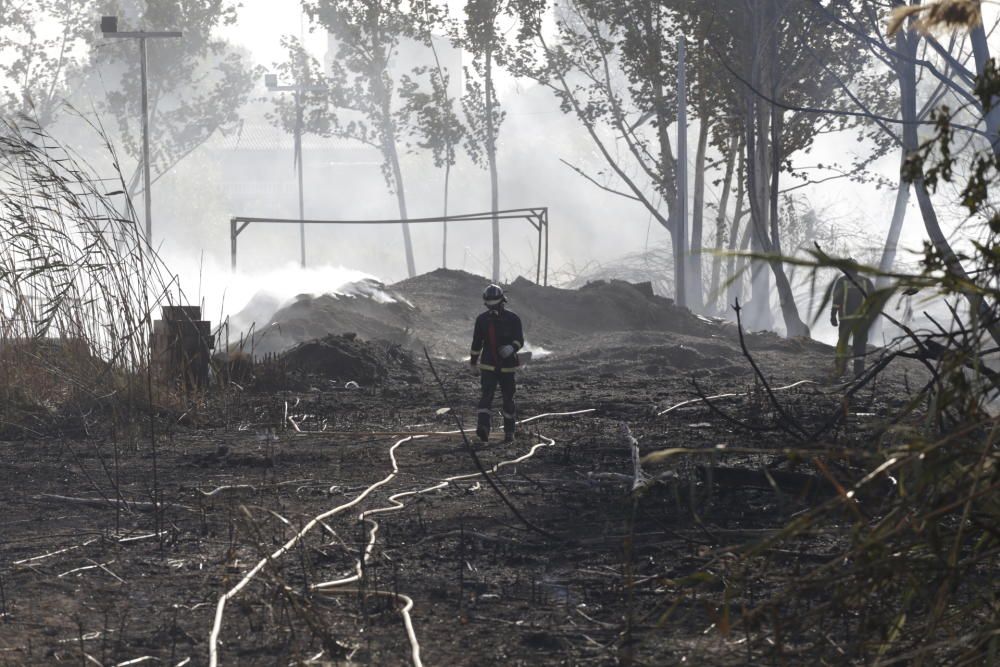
[438, 309]
[345, 358]
[448, 301]
[651, 353]
[365, 308]
[597, 307]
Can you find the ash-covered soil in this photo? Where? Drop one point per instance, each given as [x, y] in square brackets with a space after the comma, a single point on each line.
[119, 547]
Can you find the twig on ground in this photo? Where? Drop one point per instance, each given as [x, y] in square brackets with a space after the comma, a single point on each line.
[786, 421]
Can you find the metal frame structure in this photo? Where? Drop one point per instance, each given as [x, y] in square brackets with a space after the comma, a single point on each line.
[538, 217]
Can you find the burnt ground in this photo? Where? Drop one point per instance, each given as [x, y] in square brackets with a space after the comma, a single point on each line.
[92, 574]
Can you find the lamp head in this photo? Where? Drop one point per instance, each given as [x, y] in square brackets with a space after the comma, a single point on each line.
[109, 24]
[271, 80]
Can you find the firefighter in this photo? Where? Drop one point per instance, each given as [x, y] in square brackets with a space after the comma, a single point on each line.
[848, 295]
[495, 341]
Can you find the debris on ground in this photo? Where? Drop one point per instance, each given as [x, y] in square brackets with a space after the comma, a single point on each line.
[348, 361]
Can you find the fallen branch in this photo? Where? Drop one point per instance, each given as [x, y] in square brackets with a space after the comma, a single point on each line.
[99, 503]
[639, 479]
[53, 553]
[722, 396]
[106, 503]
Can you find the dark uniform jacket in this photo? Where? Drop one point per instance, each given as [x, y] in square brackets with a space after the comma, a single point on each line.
[493, 330]
[847, 298]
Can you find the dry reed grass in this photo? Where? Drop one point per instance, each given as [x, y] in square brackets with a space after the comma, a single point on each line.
[78, 284]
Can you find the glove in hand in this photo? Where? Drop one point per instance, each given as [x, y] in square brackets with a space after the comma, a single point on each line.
[833, 318]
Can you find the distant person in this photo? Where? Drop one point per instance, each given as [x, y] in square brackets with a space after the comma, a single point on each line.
[495, 341]
[848, 295]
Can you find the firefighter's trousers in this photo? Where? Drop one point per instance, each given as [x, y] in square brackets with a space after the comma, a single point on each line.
[855, 331]
[488, 382]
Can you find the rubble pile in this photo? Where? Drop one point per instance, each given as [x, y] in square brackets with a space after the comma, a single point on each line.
[344, 358]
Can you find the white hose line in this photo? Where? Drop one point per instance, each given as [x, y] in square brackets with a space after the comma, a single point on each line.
[213, 641]
[396, 505]
[404, 612]
[718, 396]
[213, 646]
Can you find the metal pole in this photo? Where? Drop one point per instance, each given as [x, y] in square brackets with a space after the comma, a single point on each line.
[546, 246]
[232, 241]
[298, 156]
[538, 269]
[145, 144]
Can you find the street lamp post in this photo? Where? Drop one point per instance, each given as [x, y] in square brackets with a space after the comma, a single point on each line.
[271, 81]
[109, 26]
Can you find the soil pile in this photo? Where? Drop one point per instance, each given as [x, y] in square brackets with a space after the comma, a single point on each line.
[366, 309]
[346, 358]
[448, 301]
[601, 306]
[604, 323]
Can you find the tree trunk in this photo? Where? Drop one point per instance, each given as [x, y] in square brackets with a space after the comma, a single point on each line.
[668, 165]
[764, 142]
[678, 217]
[758, 309]
[391, 155]
[720, 223]
[794, 326]
[736, 287]
[733, 276]
[695, 286]
[981, 53]
[906, 71]
[895, 230]
[491, 156]
[397, 175]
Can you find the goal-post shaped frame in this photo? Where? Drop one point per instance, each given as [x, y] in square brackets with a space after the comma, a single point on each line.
[538, 217]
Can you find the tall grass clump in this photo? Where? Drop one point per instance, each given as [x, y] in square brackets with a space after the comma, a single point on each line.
[78, 284]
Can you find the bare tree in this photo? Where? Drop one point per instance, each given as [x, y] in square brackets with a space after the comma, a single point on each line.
[435, 124]
[363, 86]
[495, 32]
[611, 66]
[908, 28]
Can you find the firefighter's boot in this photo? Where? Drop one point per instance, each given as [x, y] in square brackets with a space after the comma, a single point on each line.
[483, 426]
[508, 428]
